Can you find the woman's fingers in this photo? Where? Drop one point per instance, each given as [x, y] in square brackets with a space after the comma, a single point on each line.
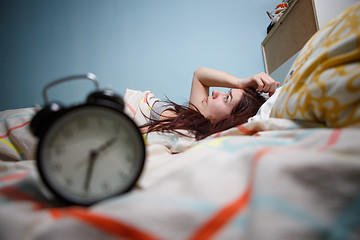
[262, 82]
[259, 83]
[272, 90]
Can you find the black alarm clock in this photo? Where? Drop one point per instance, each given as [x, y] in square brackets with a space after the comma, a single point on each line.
[88, 152]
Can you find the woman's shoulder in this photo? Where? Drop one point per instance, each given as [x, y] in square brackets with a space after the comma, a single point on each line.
[167, 114]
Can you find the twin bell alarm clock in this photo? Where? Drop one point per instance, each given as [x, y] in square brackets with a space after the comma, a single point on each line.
[87, 152]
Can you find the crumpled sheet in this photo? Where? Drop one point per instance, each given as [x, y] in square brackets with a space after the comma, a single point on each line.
[267, 179]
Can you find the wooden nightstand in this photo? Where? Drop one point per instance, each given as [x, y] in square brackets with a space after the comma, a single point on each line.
[296, 26]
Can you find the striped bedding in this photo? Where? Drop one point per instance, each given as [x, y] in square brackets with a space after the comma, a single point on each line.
[266, 179]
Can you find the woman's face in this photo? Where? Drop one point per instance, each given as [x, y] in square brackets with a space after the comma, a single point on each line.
[219, 105]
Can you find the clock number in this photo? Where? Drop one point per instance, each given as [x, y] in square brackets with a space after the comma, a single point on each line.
[82, 123]
[123, 176]
[105, 187]
[129, 142]
[56, 167]
[100, 121]
[129, 158]
[69, 182]
[59, 149]
[67, 133]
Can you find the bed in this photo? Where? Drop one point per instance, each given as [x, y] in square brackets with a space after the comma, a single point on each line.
[291, 172]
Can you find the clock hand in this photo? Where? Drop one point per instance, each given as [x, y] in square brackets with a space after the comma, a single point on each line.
[92, 158]
[89, 171]
[106, 145]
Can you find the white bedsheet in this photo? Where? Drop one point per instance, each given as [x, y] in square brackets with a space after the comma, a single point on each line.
[268, 179]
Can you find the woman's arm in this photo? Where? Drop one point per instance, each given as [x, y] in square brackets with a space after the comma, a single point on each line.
[204, 78]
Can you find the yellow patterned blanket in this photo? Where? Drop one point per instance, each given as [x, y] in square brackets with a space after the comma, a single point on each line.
[323, 85]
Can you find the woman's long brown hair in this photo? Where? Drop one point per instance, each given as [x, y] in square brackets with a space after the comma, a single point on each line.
[190, 119]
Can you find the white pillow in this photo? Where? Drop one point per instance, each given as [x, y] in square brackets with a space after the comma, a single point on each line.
[265, 110]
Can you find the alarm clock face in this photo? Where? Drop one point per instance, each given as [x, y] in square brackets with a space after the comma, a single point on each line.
[91, 153]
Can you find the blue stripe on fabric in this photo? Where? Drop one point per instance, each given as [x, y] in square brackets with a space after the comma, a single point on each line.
[225, 142]
[347, 221]
[16, 116]
[192, 205]
[281, 207]
[274, 141]
[289, 209]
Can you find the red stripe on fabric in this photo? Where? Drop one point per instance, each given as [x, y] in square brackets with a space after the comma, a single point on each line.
[13, 128]
[145, 98]
[131, 109]
[245, 130]
[334, 137]
[259, 154]
[111, 226]
[217, 135]
[222, 217]
[217, 222]
[16, 194]
[14, 176]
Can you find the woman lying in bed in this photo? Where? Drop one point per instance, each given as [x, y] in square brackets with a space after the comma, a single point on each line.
[205, 114]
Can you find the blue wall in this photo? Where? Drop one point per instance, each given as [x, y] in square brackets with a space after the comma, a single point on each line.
[139, 44]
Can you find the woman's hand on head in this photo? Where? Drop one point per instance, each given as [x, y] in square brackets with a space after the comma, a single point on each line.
[261, 82]
[204, 78]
